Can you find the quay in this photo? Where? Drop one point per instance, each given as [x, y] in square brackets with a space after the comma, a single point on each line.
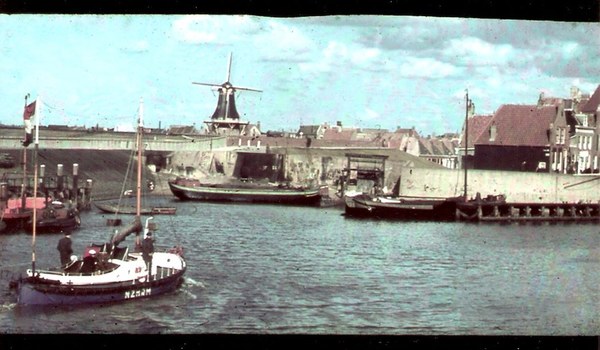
[58, 186]
[528, 212]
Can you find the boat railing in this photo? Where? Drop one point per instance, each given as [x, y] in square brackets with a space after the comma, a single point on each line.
[165, 272]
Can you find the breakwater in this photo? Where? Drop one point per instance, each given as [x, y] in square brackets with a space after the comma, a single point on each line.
[107, 170]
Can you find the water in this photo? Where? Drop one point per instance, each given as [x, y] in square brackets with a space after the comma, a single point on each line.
[295, 270]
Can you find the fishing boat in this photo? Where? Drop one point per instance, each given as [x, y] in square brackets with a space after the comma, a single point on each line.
[244, 191]
[16, 212]
[55, 217]
[402, 207]
[107, 272]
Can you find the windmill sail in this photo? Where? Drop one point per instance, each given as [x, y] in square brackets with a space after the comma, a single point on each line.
[226, 115]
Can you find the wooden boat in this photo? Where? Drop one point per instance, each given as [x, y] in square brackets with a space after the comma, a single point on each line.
[107, 272]
[18, 212]
[115, 208]
[14, 214]
[402, 207]
[55, 217]
[239, 191]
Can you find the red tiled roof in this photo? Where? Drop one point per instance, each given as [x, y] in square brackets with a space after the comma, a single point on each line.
[592, 104]
[343, 135]
[520, 125]
[477, 125]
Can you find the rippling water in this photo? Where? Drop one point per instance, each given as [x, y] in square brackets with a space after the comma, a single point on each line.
[296, 270]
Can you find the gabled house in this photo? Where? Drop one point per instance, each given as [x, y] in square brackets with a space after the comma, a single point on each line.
[585, 140]
[517, 138]
[476, 125]
[560, 132]
[439, 150]
[311, 131]
[574, 144]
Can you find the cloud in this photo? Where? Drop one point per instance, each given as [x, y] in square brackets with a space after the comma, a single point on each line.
[429, 68]
[279, 42]
[205, 29]
[337, 56]
[472, 51]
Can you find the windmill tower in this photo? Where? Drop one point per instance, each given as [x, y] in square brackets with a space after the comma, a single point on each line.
[226, 119]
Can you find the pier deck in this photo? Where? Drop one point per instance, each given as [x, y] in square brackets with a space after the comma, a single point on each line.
[482, 211]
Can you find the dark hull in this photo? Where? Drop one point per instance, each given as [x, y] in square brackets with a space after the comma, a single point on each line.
[56, 225]
[413, 209]
[248, 195]
[115, 209]
[32, 292]
[131, 210]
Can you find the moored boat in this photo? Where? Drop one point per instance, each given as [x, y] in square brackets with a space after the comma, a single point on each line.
[55, 217]
[114, 208]
[238, 191]
[402, 208]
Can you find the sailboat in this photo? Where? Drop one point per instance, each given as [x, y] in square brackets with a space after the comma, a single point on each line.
[108, 272]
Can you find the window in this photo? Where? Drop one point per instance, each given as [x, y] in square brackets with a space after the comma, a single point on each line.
[493, 133]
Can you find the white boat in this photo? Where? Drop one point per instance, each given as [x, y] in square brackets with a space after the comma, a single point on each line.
[107, 272]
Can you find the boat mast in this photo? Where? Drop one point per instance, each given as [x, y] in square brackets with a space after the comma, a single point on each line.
[140, 129]
[466, 140]
[35, 182]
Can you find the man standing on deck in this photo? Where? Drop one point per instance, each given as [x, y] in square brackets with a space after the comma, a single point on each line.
[65, 248]
[148, 250]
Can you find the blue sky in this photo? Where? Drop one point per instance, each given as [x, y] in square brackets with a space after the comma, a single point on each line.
[365, 71]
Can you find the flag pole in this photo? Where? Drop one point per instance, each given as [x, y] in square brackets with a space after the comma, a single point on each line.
[37, 116]
[466, 138]
[24, 166]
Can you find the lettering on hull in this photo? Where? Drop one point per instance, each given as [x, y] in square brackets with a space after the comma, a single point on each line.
[137, 293]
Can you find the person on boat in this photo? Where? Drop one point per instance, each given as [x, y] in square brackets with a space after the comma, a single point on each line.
[65, 248]
[90, 262]
[148, 250]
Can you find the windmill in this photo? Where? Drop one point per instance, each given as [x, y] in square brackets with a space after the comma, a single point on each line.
[226, 116]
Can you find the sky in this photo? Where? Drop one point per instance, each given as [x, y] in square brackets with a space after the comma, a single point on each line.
[366, 71]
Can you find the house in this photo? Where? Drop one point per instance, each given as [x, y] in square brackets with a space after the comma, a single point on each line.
[251, 130]
[311, 131]
[575, 146]
[339, 134]
[182, 130]
[585, 139]
[517, 138]
[476, 125]
[439, 150]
